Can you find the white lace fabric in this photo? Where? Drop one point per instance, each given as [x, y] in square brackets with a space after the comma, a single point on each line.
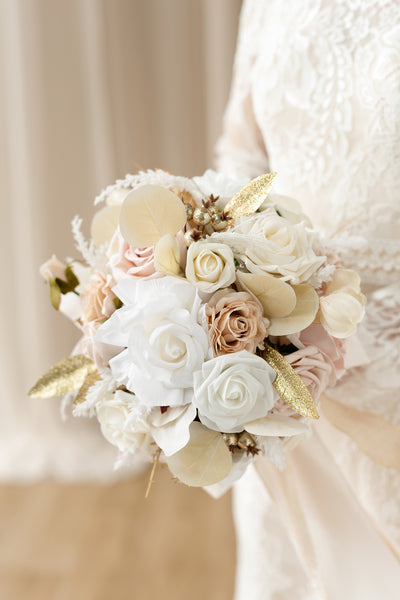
[316, 97]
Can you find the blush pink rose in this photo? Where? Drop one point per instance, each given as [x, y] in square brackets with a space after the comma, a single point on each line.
[53, 268]
[319, 361]
[98, 299]
[127, 261]
[97, 304]
[235, 322]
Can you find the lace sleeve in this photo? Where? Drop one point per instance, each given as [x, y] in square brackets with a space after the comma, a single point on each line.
[241, 150]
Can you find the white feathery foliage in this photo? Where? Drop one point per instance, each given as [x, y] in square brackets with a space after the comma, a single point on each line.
[99, 391]
[94, 255]
[323, 275]
[152, 177]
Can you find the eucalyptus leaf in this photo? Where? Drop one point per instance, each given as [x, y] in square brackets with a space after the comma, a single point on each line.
[205, 459]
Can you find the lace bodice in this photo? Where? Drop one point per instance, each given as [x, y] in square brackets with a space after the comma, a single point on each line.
[316, 97]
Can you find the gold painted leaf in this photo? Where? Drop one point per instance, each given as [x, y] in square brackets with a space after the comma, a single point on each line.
[205, 459]
[148, 213]
[65, 376]
[90, 380]
[250, 197]
[290, 387]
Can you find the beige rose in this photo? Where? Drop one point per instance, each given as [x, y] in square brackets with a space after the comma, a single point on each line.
[53, 269]
[210, 266]
[97, 300]
[235, 322]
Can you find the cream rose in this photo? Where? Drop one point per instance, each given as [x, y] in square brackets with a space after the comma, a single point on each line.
[113, 415]
[277, 246]
[235, 322]
[342, 306]
[233, 389]
[210, 266]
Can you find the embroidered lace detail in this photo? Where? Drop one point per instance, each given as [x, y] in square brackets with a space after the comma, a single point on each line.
[316, 97]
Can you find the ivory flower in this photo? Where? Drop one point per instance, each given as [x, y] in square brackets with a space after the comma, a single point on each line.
[210, 266]
[169, 428]
[278, 247]
[342, 306]
[113, 415]
[235, 322]
[53, 269]
[232, 389]
[163, 340]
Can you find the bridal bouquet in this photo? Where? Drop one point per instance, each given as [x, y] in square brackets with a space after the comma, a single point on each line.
[212, 319]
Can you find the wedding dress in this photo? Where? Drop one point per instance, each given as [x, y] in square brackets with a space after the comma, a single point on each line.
[316, 98]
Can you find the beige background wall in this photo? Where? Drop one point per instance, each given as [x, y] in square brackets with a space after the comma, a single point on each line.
[89, 89]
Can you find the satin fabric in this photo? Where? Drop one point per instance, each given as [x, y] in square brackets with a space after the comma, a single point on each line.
[341, 549]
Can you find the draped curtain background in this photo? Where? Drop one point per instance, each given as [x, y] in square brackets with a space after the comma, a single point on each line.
[89, 91]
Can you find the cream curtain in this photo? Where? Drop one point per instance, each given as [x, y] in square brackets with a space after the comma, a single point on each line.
[90, 89]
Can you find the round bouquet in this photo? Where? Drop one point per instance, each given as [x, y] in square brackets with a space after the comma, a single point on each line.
[212, 318]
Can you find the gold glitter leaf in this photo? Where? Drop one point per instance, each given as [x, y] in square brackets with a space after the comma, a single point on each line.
[90, 380]
[290, 387]
[65, 376]
[250, 197]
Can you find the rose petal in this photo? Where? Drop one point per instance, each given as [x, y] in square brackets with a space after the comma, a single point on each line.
[277, 297]
[276, 425]
[205, 460]
[302, 316]
[148, 213]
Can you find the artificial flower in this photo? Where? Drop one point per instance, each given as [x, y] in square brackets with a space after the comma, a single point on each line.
[53, 269]
[219, 184]
[275, 245]
[235, 322]
[98, 299]
[232, 389]
[113, 415]
[163, 340]
[342, 306]
[127, 261]
[210, 266]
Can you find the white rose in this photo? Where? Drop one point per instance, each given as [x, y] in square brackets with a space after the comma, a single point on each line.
[163, 340]
[278, 247]
[210, 266]
[219, 184]
[233, 389]
[113, 415]
[343, 305]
